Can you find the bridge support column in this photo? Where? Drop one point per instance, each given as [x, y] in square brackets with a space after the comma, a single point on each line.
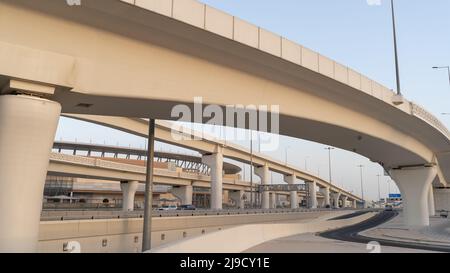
[354, 204]
[27, 131]
[215, 163]
[273, 200]
[431, 203]
[184, 193]
[238, 197]
[264, 174]
[290, 179]
[442, 199]
[312, 194]
[344, 202]
[336, 196]
[414, 184]
[326, 193]
[128, 193]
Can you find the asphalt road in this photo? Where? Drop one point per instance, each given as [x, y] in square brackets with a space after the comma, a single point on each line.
[350, 234]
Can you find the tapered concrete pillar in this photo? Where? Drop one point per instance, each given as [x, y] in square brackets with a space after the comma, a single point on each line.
[273, 200]
[27, 131]
[184, 193]
[354, 204]
[336, 196]
[344, 201]
[431, 203]
[290, 179]
[326, 194]
[414, 184]
[215, 163]
[279, 202]
[128, 193]
[312, 194]
[264, 174]
[238, 197]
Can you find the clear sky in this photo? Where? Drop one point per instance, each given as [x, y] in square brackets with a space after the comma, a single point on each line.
[353, 33]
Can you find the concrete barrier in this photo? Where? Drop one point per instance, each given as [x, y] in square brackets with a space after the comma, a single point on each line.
[125, 235]
[241, 238]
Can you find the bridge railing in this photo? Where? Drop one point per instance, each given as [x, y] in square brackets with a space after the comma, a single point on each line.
[94, 162]
[90, 214]
[205, 17]
[420, 112]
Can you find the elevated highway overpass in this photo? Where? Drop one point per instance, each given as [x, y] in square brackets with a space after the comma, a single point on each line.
[127, 154]
[133, 171]
[207, 145]
[121, 58]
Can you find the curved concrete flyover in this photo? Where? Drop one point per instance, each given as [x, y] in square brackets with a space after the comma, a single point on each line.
[112, 57]
[206, 145]
[168, 62]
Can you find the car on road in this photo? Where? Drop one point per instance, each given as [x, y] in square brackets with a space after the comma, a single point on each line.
[388, 208]
[168, 207]
[444, 214]
[187, 207]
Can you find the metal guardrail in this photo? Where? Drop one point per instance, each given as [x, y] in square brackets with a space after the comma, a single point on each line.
[58, 215]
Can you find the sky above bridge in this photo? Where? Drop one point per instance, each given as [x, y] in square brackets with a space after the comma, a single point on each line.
[357, 33]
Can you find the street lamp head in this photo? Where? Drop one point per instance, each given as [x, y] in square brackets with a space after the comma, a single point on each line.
[441, 67]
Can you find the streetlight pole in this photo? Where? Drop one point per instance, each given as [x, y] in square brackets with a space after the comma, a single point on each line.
[397, 70]
[379, 193]
[389, 190]
[444, 67]
[286, 154]
[362, 186]
[329, 162]
[251, 169]
[148, 207]
[306, 163]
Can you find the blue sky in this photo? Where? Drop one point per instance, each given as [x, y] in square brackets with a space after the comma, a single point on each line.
[355, 34]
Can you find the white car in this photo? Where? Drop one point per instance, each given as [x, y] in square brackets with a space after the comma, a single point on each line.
[166, 208]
